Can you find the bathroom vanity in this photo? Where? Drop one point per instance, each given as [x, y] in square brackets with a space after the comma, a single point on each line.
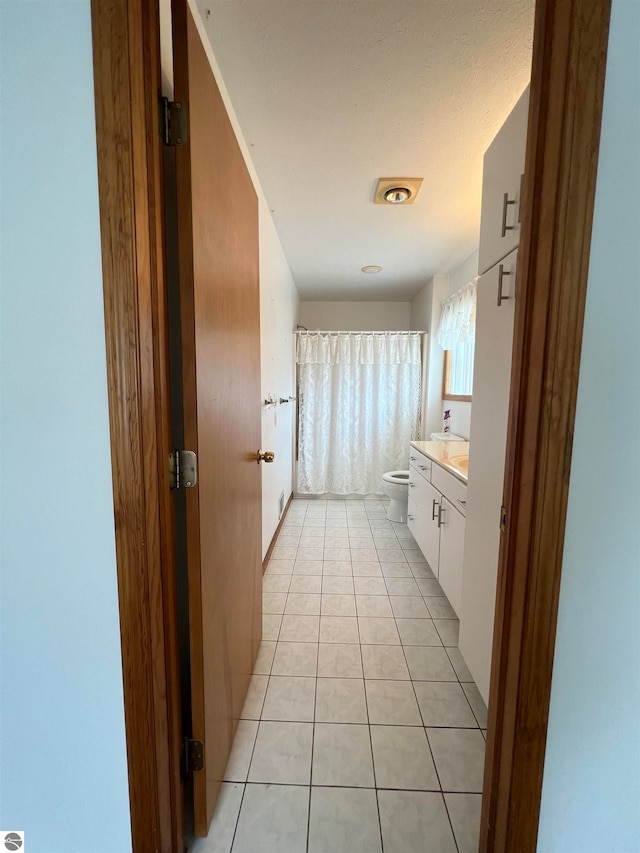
[437, 509]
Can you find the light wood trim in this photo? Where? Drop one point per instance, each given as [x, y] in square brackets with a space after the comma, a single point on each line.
[126, 80]
[569, 56]
[267, 556]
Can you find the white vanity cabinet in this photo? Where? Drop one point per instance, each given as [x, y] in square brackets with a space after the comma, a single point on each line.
[435, 518]
[452, 534]
[501, 188]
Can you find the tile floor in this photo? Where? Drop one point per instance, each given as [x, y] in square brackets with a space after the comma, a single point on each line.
[363, 730]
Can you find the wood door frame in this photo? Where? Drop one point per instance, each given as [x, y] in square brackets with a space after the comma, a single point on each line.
[565, 108]
[130, 183]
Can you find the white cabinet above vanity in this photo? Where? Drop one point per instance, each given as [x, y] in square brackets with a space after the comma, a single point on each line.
[437, 506]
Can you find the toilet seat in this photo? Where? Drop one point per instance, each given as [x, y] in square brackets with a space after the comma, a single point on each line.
[400, 477]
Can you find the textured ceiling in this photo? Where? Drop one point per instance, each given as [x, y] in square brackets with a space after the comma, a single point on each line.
[333, 94]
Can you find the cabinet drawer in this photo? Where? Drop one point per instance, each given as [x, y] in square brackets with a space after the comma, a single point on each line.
[418, 489]
[421, 464]
[451, 487]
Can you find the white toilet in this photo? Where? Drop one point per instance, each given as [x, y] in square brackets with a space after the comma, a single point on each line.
[395, 485]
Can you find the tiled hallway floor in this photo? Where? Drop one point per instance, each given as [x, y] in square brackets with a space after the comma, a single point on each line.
[363, 730]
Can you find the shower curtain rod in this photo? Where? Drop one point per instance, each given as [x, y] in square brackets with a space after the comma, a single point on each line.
[353, 332]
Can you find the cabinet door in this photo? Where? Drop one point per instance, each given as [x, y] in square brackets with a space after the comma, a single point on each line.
[501, 181]
[452, 528]
[424, 525]
[491, 386]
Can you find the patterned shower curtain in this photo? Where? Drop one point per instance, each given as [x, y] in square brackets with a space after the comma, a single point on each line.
[359, 404]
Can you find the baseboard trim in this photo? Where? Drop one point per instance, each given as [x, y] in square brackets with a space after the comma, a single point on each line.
[267, 556]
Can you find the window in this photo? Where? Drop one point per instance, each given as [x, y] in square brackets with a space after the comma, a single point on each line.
[458, 372]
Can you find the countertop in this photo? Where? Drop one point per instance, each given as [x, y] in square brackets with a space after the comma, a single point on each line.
[452, 455]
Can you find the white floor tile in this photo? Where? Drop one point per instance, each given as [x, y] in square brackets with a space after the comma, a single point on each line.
[459, 758]
[307, 567]
[448, 629]
[429, 587]
[374, 605]
[276, 583]
[439, 608]
[306, 583]
[339, 660]
[273, 819]
[416, 632]
[429, 663]
[295, 659]
[340, 700]
[255, 697]
[335, 585]
[282, 753]
[402, 758]
[273, 602]
[290, 698]
[302, 629]
[265, 658]
[443, 703]
[395, 569]
[302, 604]
[409, 607]
[279, 567]
[338, 629]
[338, 605]
[375, 630]
[370, 586]
[392, 703]
[341, 568]
[223, 824]
[402, 586]
[367, 568]
[464, 811]
[238, 763]
[457, 661]
[342, 755]
[271, 625]
[384, 662]
[477, 704]
[414, 822]
[344, 820]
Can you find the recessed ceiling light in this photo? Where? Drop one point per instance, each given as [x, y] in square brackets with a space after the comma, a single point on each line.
[397, 195]
[397, 190]
[372, 268]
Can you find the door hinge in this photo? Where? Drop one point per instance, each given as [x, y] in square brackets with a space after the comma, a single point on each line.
[174, 122]
[192, 756]
[503, 519]
[183, 469]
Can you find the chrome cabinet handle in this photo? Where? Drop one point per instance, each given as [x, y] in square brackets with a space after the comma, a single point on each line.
[506, 201]
[422, 467]
[440, 512]
[412, 459]
[501, 274]
[433, 510]
[410, 518]
[412, 485]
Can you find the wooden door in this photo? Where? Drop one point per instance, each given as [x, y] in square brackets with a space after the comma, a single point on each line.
[491, 388]
[220, 326]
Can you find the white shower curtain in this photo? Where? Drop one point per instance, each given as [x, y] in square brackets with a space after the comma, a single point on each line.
[359, 403]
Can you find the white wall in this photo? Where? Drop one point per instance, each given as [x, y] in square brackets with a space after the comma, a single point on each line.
[278, 310]
[355, 316]
[591, 791]
[278, 317]
[63, 754]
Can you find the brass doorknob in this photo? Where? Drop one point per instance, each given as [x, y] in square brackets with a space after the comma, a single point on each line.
[266, 456]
